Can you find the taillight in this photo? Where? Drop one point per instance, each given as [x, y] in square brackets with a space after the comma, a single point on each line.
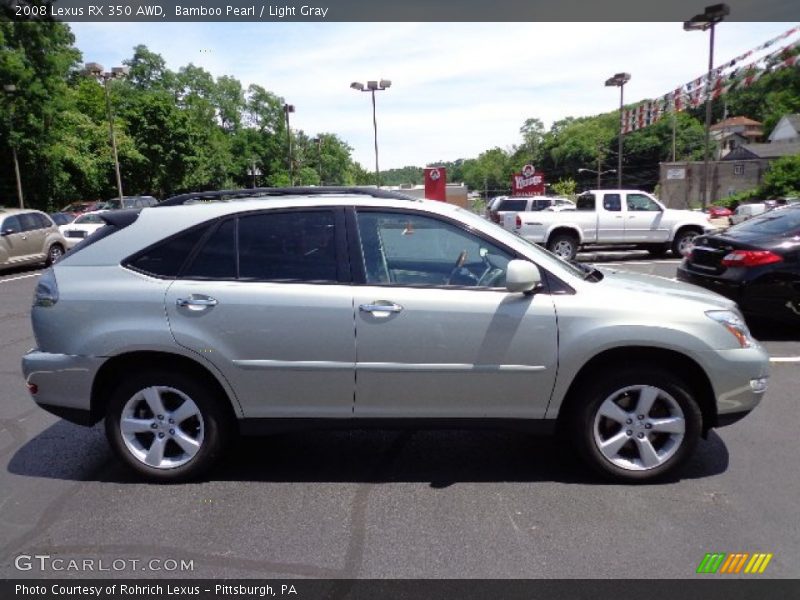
[750, 258]
[495, 217]
[519, 222]
[46, 293]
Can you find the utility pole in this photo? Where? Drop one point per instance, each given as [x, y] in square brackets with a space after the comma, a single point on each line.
[11, 89]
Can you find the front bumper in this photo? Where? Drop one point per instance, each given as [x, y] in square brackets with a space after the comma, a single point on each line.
[739, 379]
[62, 383]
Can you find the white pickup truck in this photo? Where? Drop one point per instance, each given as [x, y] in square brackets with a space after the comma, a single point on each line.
[611, 218]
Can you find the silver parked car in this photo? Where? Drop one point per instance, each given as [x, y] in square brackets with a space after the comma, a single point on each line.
[28, 237]
[186, 323]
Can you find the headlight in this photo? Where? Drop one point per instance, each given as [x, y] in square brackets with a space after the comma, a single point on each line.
[734, 323]
[46, 293]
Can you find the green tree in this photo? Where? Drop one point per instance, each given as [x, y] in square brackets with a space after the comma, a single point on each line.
[783, 177]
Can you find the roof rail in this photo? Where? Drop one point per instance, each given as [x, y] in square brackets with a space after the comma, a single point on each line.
[225, 195]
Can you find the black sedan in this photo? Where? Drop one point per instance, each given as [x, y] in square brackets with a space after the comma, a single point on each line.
[755, 263]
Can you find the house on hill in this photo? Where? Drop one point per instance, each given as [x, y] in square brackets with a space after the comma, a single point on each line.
[742, 165]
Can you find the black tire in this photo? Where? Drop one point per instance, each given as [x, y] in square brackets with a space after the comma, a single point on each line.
[683, 237]
[54, 252]
[593, 394]
[564, 245]
[216, 424]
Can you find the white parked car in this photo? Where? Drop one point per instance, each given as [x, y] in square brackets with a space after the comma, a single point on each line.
[82, 227]
[516, 204]
[612, 217]
[747, 211]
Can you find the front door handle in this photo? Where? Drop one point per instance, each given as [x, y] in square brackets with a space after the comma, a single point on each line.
[195, 303]
[380, 308]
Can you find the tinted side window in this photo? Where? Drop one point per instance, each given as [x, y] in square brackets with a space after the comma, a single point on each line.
[217, 258]
[612, 202]
[166, 258]
[43, 220]
[540, 204]
[28, 221]
[585, 202]
[12, 224]
[290, 246]
[513, 205]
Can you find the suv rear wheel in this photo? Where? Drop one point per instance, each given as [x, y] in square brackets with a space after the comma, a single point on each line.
[636, 425]
[166, 426]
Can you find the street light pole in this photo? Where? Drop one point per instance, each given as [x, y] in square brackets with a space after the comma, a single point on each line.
[289, 108]
[702, 22]
[10, 88]
[619, 80]
[96, 70]
[598, 172]
[372, 87]
[113, 138]
[318, 141]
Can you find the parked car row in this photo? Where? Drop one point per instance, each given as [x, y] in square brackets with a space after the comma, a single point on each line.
[184, 324]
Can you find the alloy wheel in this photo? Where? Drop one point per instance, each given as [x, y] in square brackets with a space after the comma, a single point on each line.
[638, 428]
[162, 427]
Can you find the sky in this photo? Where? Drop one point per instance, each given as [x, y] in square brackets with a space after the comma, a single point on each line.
[457, 90]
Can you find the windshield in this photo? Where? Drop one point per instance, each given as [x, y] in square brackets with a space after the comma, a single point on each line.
[88, 219]
[782, 221]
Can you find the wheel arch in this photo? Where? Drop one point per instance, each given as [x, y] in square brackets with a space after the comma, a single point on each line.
[672, 361]
[564, 229]
[123, 364]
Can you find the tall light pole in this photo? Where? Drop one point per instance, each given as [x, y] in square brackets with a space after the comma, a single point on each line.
[318, 141]
[11, 89]
[372, 87]
[96, 71]
[707, 21]
[289, 108]
[599, 174]
[619, 80]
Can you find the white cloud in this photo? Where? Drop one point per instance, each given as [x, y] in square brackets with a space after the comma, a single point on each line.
[458, 88]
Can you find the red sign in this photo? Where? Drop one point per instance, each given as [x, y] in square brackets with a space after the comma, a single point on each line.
[527, 183]
[436, 184]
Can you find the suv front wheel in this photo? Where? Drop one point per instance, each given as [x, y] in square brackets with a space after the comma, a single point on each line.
[166, 426]
[637, 424]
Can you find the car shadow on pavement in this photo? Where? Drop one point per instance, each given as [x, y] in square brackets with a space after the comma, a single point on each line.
[442, 458]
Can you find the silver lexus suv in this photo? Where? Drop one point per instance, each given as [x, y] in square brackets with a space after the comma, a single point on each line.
[261, 310]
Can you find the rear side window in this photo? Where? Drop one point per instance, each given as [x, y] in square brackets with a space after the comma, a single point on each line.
[290, 246]
[29, 221]
[513, 205]
[217, 258]
[166, 258]
[612, 202]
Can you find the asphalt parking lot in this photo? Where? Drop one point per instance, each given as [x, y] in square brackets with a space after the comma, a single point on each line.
[395, 504]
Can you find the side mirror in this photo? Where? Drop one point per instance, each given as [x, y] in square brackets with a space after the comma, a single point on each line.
[522, 276]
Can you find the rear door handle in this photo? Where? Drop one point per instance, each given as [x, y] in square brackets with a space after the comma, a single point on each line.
[380, 308]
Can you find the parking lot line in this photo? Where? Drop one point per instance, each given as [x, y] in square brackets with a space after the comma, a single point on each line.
[20, 277]
[785, 359]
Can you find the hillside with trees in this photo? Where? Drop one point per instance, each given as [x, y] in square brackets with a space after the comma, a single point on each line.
[187, 130]
[176, 130]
